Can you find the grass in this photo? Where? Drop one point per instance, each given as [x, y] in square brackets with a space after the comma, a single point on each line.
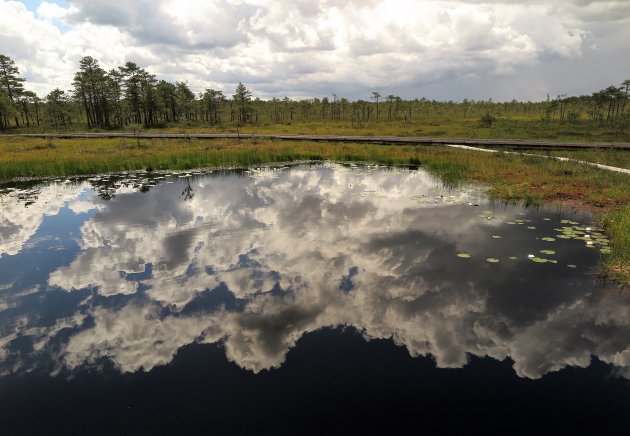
[444, 127]
[507, 126]
[28, 157]
[612, 157]
[617, 224]
[509, 177]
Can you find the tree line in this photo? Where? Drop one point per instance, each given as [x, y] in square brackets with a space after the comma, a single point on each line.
[131, 96]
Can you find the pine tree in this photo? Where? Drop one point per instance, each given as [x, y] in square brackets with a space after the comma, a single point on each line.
[11, 82]
[242, 97]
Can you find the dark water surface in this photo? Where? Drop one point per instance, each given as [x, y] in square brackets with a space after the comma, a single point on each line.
[299, 300]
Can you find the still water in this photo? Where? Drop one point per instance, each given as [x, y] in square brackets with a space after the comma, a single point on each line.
[301, 299]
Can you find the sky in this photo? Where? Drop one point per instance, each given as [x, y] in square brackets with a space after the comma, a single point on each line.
[438, 49]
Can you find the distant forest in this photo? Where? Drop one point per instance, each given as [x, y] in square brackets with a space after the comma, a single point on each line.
[130, 96]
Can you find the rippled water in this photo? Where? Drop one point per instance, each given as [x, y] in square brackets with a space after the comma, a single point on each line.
[122, 293]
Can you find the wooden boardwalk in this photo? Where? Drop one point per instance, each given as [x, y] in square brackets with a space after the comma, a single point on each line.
[400, 140]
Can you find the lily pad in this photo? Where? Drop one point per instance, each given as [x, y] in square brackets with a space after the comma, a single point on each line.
[547, 252]
[497, 237]
[605, 250]
[572, 266]
[492, 260]
[548, 239]
[463, 255]
[538, 259]
[513, 258]
[531, 227]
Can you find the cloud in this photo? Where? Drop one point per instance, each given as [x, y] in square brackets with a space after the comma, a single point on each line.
[282, 47]
[182, 24]
[20, 221]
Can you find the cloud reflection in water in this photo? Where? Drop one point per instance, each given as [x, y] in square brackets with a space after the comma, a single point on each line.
[256, 262]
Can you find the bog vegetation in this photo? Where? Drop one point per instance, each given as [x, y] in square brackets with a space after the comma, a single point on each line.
[129, 97]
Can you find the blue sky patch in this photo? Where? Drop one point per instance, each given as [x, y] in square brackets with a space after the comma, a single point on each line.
[32, 5]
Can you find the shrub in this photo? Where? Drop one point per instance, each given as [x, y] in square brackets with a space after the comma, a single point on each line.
[487, 120]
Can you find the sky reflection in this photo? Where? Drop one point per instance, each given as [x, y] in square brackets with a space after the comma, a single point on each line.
[256, 260]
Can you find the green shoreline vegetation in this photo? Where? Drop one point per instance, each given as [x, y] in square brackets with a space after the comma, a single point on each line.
[130, 99]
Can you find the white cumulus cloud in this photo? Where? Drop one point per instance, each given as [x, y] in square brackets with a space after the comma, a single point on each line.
[437, 48]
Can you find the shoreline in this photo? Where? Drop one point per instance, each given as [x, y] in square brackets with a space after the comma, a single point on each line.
[529, 180]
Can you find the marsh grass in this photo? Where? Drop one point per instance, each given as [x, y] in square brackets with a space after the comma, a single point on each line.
[510, 127]
[617, 225]
[526, 179]
[505, 126]
[605, 156]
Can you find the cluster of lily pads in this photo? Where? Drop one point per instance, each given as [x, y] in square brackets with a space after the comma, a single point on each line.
[592, 236]
[531, 257]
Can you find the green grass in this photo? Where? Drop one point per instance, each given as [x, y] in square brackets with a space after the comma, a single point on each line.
[28, 157]
[522, 126]
[617, 225]
[531, 180]
[607, 156]
[441, 127]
